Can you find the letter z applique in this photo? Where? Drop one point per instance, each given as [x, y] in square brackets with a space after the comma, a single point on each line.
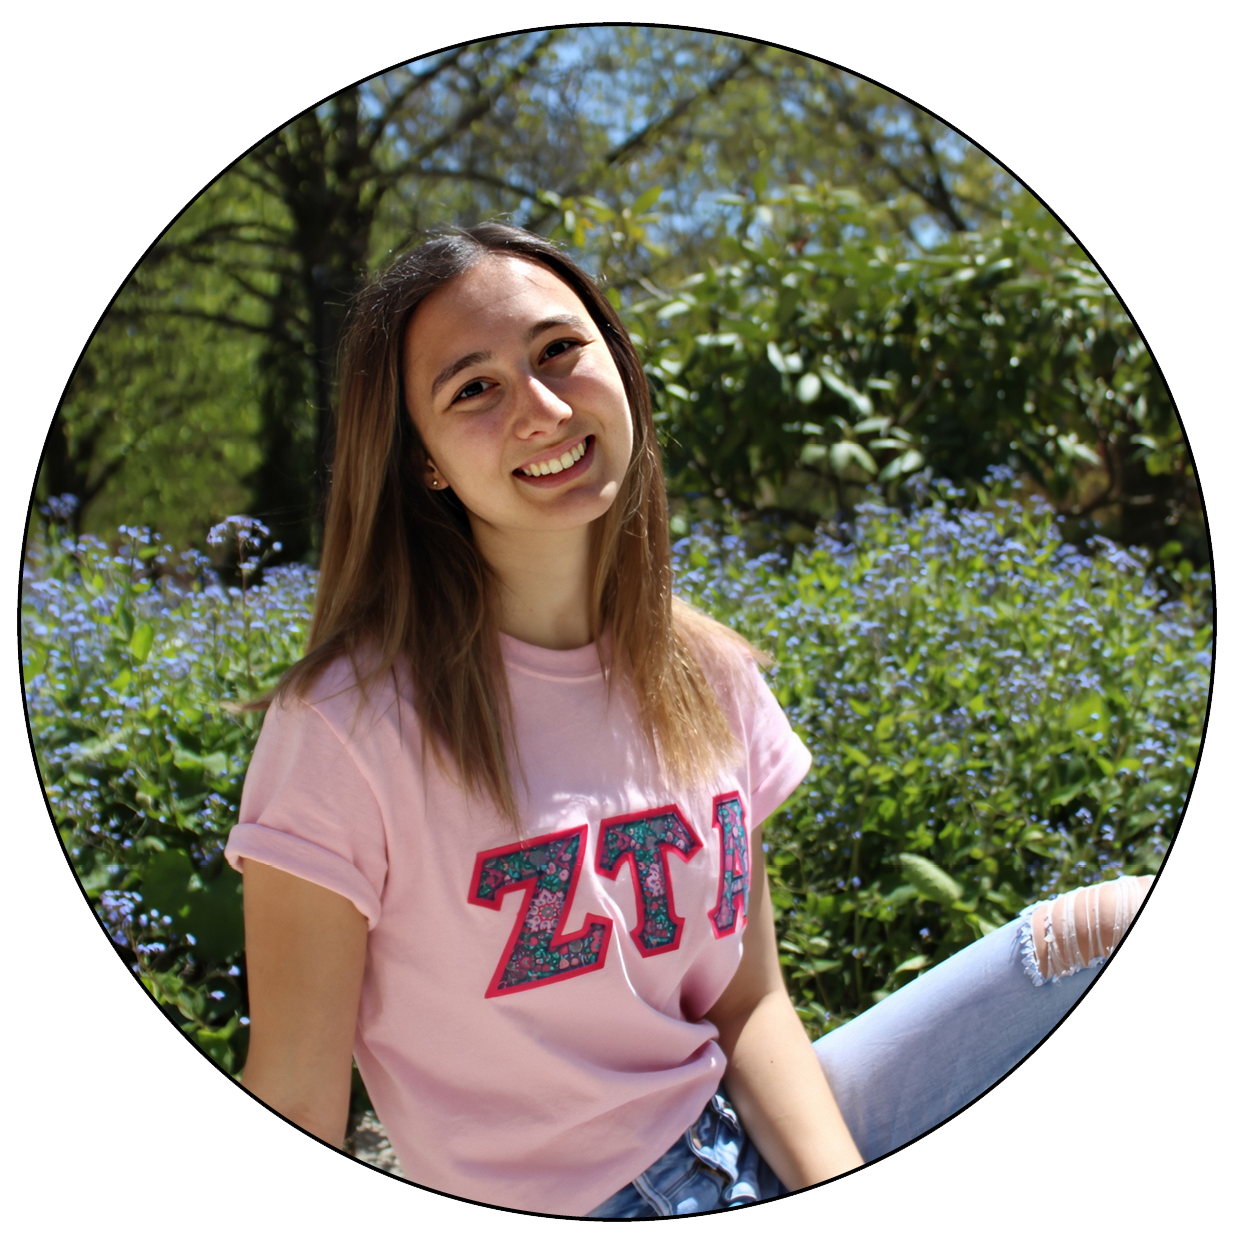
[645, 841]
[540, 951]
[733, 901]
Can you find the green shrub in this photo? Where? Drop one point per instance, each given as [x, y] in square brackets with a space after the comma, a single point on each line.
[131, 661]
[994, 716]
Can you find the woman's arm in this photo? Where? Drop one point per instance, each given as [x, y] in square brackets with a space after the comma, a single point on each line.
[305, 953]
[774, 1079]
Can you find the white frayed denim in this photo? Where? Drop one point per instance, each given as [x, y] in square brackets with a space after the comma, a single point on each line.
[929, 1049]
[1079, 929]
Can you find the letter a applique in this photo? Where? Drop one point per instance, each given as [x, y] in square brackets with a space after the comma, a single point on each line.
[539, 950]
[732, 903]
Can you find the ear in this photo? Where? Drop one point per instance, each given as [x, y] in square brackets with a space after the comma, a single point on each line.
[431, 477]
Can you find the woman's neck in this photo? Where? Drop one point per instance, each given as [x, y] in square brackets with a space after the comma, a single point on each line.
[545, 584]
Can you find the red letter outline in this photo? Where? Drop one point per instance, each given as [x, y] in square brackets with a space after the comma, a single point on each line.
[740, 899]
[560, 936]
[662, 850]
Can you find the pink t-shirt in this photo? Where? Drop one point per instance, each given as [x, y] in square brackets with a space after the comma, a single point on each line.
[531, 1028]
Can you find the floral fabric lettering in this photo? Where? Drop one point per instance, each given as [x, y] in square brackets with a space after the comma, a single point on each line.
[539, 951]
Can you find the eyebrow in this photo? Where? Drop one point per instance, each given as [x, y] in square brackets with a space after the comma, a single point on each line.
[473, 359]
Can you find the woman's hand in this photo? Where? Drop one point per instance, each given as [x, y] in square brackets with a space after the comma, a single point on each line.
[774, 1078]
[305, 953]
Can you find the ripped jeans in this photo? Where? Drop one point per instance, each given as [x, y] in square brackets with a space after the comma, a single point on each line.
[902, 1067]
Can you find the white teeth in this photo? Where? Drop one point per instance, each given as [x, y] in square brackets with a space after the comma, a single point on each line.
[567, 459]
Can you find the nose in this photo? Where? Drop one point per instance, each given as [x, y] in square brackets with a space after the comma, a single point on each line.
[539, 408]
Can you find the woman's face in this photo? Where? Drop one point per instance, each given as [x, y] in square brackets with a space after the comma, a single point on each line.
[517, 398]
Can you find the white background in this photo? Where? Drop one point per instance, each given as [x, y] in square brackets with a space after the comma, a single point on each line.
[115, 117]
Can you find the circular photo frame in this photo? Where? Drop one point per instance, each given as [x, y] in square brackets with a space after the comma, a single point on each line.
[109, 1090]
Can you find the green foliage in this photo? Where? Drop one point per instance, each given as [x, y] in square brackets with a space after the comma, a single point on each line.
[994, 717]
[158, 423]
[132, 661]
[814, 357]
[208, 386]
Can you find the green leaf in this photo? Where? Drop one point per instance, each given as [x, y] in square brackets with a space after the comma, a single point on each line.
[861, 402]
[210, 910]
[1088, 714]
[986, 924]
[808, 388]
[846, 453]
[826, 965]
[140, 643]
[913, 965]
[34, 658]
[929, 880]
[868, 425]
[906, 463]
[600, 209]
[1066, 795]
[646, 199]
[900, 895]
[672, 309]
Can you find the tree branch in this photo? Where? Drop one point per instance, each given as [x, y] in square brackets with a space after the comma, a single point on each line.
[940, 195]
[641, 137]
[480, 178]
[206, 316]
[251, 174]
[374, 131]
[931, 190]
[479, 108]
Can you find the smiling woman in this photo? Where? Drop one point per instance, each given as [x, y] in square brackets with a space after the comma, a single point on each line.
[500, 834]
[531, 429]
[901, 1174]
[501, 696]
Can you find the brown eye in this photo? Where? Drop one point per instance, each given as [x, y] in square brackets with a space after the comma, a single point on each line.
[475, 388]
[558, 348]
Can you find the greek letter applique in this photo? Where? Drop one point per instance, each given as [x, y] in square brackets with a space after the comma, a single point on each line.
[733, 900]
[645, 840]
[540, 950]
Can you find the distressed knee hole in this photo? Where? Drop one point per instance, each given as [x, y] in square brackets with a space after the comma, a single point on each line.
[1082, 927]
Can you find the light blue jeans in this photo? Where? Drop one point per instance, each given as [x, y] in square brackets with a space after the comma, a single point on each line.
[902, 1067]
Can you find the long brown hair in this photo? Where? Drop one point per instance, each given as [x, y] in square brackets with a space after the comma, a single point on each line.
[401, 579]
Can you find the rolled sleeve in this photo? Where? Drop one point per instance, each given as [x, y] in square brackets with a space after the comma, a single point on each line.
[307, 809]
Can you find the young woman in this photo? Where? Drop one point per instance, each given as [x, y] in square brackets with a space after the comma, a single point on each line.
[502, 833]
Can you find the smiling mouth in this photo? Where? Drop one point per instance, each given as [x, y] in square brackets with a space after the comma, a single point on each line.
[558, 465]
